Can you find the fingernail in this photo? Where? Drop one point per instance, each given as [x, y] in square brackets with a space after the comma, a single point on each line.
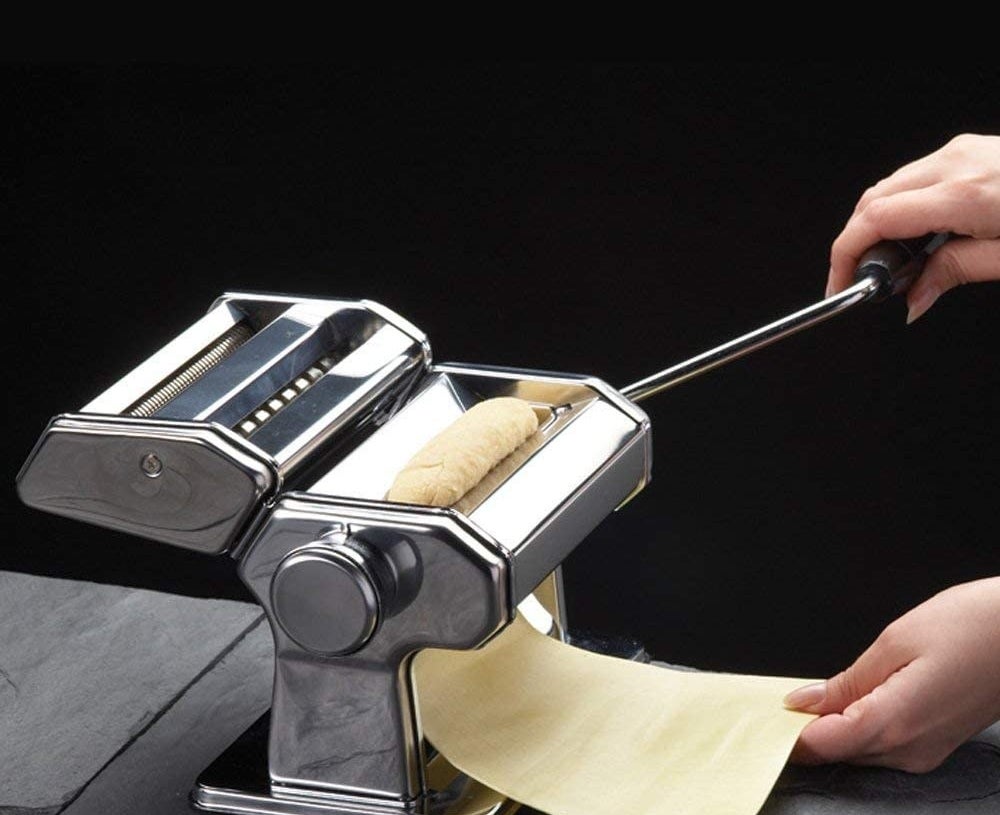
[919, 304]
[806, 697]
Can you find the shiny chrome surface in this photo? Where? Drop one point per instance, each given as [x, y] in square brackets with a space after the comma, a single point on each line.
[260, 801]
[198, 367]
[238, 782]
[287, 373]
[268, 361]
[326, 599]
[344, 728]
[307, 371]
[552, 597]
[363, 355]
[366, 385]
[457, 794]
[353, 586]
[262, 414]
[164, 365]
[593, 454]
[192, 485]
[865, 289]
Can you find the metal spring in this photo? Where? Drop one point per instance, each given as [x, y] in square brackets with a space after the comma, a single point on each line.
[214, 354]
[284, 396]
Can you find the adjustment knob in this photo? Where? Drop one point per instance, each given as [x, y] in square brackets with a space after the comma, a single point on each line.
[326, 596]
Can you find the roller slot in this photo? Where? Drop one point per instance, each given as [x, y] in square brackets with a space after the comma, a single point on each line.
[274, 356]
[284, 396]
[362, 388]
[589, 457]
[185, 377]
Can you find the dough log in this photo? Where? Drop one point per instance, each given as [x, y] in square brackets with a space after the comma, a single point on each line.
[461, 455]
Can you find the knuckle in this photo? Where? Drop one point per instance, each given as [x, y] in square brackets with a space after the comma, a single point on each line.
[960, 144]
[846, 685]
[969, 189]
[891, 638]
[866, 198]
[876, 211]
[839, 244]
[963, 139]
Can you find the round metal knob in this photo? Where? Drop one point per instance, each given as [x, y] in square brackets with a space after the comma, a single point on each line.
[326, 597]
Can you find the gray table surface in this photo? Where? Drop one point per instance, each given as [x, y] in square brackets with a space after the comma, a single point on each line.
[112, 700]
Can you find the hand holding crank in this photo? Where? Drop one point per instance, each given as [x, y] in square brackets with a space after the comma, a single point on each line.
[898, 229]
[955, 189]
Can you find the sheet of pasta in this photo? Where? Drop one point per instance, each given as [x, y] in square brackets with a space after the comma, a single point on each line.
[570, 732]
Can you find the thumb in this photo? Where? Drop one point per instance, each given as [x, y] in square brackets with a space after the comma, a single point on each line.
[961, 260]
[849, 736]
[834, 695]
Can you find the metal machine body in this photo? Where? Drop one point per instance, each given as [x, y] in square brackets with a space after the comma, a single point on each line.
[354, 586]
[188, 447]
[197, 447]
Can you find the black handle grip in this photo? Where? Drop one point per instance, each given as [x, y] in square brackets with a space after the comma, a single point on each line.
[896, 264]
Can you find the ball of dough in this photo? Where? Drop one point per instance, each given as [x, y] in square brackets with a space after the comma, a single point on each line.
[461, 455]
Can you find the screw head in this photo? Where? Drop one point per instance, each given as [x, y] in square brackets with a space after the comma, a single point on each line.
[151, 465]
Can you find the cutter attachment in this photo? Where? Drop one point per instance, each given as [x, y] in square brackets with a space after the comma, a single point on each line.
[193, 443]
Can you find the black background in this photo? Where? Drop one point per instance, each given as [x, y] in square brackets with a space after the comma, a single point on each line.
[600, 219]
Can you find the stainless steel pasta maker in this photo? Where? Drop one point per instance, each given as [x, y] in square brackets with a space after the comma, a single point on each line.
[200, 446]
[271, 430]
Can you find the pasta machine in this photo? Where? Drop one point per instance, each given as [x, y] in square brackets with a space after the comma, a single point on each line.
[271, 429]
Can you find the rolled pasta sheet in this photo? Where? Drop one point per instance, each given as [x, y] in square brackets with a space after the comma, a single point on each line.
[460, 456]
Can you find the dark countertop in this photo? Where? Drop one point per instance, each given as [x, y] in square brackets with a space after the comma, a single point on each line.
[112, 700]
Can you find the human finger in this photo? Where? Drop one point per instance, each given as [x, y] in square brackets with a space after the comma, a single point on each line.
[967, 158]
[959, 261]
[944, 207]
[924, 172]
[849, 736]
[835, 695]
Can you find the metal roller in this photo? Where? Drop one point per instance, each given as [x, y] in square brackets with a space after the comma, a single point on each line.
[192, 444]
